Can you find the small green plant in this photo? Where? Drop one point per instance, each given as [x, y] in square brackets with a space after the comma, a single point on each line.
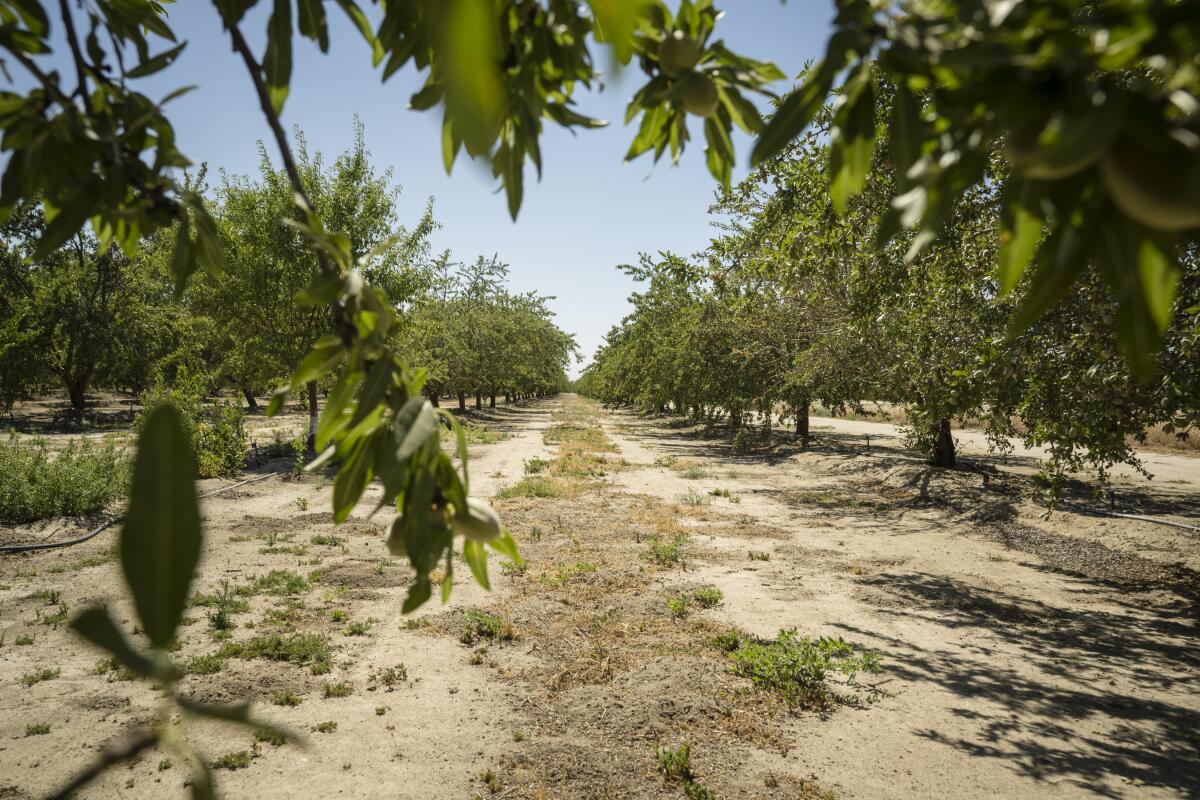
[208, 664]
[286, 698]
[37, 729]
[490, 781]
[302, 503]
[535, 466]
[337, 615]
[268, 736]
[675, 764]
[38, 676]
[708, 596]
[324, 727]
[379, 567]
[380, 710]
[277, 582]
[221, 616]
[513, 569]
[678, 606]
[534, 486]
[165, 764]
[798, 669]
[357, 629]
[478, 434]
[340, 689]
[482, 624]
[695, 473]
[565, 573]
[50, 597]
[692, 499]
[327, 540]
[389, 677]
[23, 639]
[759, 555]
[232, 761]
[664, 552]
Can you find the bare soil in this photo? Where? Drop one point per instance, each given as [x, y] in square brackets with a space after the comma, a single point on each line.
[1023, 655]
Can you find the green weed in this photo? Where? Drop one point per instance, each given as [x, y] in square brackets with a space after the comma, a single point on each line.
[38, 676]
[80, 479]
[798, 670]
[482, 624]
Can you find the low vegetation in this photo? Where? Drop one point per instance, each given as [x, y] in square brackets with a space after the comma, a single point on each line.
[37, 483]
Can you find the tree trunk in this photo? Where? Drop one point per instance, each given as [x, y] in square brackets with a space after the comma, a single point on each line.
[462, 401]
[251, 400]
[478, 400]
[507, 397]
[433, 399]
[77, 393]
[312, 415]
[492, 401]
[802, 423]
[943, 447]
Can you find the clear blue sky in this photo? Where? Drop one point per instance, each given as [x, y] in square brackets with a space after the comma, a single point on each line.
[590, 212]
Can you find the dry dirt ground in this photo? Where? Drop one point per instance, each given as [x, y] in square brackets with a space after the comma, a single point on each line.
[1022, 656]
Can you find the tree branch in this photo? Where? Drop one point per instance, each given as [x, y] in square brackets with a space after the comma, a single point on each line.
[77, 56]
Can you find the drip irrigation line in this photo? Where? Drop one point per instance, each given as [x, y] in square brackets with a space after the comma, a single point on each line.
[1139, 517]
[26, 548]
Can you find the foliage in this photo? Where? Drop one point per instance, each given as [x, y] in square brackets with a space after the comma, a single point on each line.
[1093, 105]
[797, 669]
[36, 483]
[481, 624]
[217, 434]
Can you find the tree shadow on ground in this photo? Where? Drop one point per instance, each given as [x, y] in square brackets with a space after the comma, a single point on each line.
[1058, 716]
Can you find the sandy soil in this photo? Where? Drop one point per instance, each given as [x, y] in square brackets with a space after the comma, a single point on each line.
[1023, 656]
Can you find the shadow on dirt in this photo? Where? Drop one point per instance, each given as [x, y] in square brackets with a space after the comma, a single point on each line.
[1082, 731]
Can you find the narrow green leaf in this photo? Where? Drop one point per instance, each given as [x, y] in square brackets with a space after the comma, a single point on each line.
[184, 259]
[157, 63]
[160, 540]
[476, 556]
[277, 63]
[1159, 275]
[351, 480]
[1020, 232]
[311, 22]
[853, 139]
[414, 424]
[1058, 265]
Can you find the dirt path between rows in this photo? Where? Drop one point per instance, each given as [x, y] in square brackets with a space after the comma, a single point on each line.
[1021, 656]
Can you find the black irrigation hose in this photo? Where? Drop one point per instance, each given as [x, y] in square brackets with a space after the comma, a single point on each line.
[26, 548]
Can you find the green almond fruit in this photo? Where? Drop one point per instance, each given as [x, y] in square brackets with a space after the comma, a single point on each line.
[699, 95]
[678, 53]
[1158, 188]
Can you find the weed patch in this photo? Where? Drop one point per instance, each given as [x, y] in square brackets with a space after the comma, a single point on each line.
[486, 625]
[82, 478]
[796, 669]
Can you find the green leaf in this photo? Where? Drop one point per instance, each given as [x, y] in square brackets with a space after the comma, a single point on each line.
[156, 64]
[798, 109]
[414, 424]
[212, 252]
[277, 63]
[352, 478]
[616, 23]
[1058, 265]
[320, 359]
[97, 626]
[370, 402]
[363, 24]
[312, 24]
[202, 782]
[160, 540]
[184, 259]
[506, 546]
[476, 556]
[1159, 275]
[853, 139]
[905, 141]
[324, 289]
[334, 417]
[1020, 232]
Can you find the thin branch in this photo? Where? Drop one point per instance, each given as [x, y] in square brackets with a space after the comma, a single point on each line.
[113, 754]
[264, 100]
[77, 55]
[345, 329]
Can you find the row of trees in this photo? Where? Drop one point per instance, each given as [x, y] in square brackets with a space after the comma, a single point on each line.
[88, 315]
[793, 304]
